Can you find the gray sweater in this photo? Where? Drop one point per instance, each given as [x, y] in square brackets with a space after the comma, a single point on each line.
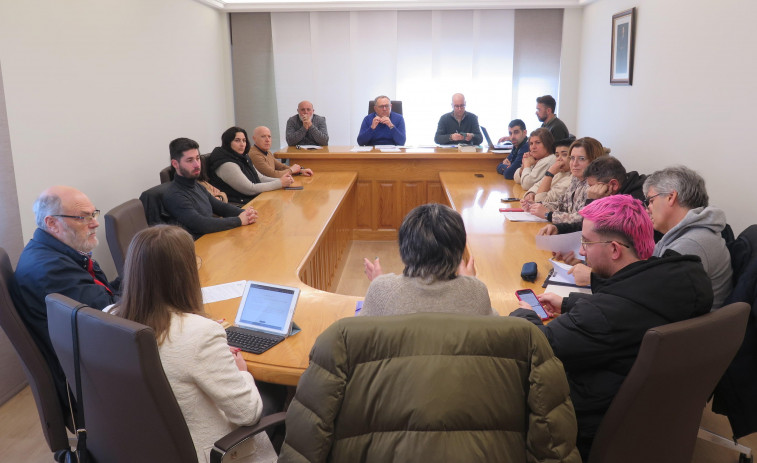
[392, 294]
[698, 234]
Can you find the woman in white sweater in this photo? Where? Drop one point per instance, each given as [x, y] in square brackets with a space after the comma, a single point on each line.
[161, 289]
[537, 160]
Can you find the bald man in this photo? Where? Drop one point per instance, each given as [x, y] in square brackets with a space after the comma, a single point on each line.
[58, 260]
[265, 162]
[306, 127]
[459, 126]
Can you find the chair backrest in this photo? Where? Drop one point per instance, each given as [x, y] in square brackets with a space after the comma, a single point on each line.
[121, 224]
[396, 106]
[130, 411]
[655, 415]
[38, 374]
[166, 174]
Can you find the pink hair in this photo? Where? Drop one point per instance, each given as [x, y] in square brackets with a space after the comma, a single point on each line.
[624, 216]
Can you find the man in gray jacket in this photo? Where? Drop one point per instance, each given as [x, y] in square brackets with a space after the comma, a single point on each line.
[678, 204]
[306, 127]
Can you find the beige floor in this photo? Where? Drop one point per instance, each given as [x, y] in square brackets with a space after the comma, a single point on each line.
[21, 439]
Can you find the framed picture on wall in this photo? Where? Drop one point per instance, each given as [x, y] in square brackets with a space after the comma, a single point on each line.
[621, 54]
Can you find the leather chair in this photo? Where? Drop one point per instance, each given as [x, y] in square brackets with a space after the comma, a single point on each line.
[152, 202]
[51, 415]
[121, 224]
[130, 411]
[656, 413]
[396, 106]
[166, 174]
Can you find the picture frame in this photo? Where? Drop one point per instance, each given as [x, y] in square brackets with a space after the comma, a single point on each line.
[622, 48]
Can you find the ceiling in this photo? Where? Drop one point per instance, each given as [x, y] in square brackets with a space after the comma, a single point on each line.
[236, 6]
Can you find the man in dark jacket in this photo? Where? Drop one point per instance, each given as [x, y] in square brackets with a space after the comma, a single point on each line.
[597, 336]
[58, 260]
[192, 205]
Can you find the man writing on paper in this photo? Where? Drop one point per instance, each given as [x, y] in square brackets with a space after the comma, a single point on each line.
[382, 126]
[458, 126]
[306, 127]
[597, 336]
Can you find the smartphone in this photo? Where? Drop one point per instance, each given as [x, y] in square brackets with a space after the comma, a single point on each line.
[509, 200]
[479, 175]
[293, 187]
[530, 298]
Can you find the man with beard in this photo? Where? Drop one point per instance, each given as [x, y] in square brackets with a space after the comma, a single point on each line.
[191, 204]
[545, 111]
[597, 336]
[58, 260]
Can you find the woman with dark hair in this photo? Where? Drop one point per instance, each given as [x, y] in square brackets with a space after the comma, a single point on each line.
[565, 210]
[436, 277]
[161, 289]
[230, 169]
[540, 157]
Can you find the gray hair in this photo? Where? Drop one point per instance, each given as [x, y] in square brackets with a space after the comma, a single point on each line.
[689, 185]
[44, 206]
[375, 101]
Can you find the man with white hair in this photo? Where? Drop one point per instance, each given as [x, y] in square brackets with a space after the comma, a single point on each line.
[678, 204]
[58, 260]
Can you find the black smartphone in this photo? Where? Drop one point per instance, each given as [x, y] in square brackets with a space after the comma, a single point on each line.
[530, 298]
[509, 200]
[294, 187]
[479, 175]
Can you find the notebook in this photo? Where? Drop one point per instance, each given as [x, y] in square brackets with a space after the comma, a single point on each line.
[504, 146]
[264, 317]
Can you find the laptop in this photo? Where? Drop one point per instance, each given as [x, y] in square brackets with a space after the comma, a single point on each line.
[264, 317]
[504, 146]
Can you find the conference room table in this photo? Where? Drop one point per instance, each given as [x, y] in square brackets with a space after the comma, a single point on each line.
[301, 237]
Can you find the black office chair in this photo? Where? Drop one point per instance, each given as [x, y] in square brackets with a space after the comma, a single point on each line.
[655, 415]
[52, 417]
[396, 106]
[130, 411]
[121, 224]
[152, 202]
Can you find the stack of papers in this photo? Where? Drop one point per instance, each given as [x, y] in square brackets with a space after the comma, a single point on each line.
[522, 217]
[361, 149]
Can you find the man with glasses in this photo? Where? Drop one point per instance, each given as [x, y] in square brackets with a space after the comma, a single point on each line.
[597, 336]
[679, 206]
[382, 126]
[459, 126]
[58, 260]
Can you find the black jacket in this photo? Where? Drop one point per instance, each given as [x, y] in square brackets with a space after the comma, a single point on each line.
[598, 335]
[221, 156]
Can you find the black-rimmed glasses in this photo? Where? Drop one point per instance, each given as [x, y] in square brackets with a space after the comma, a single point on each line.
[648, 201]
[85, 218]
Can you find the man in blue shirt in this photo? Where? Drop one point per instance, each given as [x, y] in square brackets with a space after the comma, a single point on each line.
[382, 126]
[519, 139]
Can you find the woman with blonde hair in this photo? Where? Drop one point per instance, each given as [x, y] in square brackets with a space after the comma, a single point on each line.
[161, 289]
[565, 210]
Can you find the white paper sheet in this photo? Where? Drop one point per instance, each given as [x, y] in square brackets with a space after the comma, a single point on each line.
[361, 149]
[560, 273]
[522, 217]
[564, 291]
[563, 243]
[223, 291]
[309, 147]
[390, 150]
[386, 147]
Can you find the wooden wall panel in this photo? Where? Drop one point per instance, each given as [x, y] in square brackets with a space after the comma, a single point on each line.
[386, 203]
[435, 194]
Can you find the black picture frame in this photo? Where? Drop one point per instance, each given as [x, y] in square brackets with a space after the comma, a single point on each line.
[622, 47]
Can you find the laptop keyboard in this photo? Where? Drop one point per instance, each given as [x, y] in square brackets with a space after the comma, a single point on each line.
[249, 342]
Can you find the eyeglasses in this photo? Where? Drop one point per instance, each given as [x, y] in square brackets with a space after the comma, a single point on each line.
[383, 106]
[459, 106]
[648, 201]
[84, 218]
[586, 243]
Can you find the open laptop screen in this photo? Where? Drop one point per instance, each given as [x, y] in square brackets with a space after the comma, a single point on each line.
[267, 307]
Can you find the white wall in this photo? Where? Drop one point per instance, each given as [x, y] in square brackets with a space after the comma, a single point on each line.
[95, 91]
[692, 100]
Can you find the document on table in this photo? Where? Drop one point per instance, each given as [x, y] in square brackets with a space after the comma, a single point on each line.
[390, 150]
[565, 291]
[560, 273]
[563, 243]
[309, 147]
[223, 291]
[522, 217]
[361, 149]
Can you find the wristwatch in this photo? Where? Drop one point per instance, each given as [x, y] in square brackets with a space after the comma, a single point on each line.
[549, 174]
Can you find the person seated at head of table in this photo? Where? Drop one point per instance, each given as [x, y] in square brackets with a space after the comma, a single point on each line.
[582, 152]
[231, 169]
[459, 126]
[539, 158]
[436, 278]
[382, 126]
[216, 393]
[306, 127]
[555, 181]
[597, 336]
[519, 138]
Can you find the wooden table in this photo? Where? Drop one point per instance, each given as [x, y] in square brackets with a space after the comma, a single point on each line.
[301, 236]
[389, 185]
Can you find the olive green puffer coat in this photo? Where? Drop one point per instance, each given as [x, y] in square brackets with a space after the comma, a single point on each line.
[431, 387]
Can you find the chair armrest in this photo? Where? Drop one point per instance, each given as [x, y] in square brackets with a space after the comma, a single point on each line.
[240, 435]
